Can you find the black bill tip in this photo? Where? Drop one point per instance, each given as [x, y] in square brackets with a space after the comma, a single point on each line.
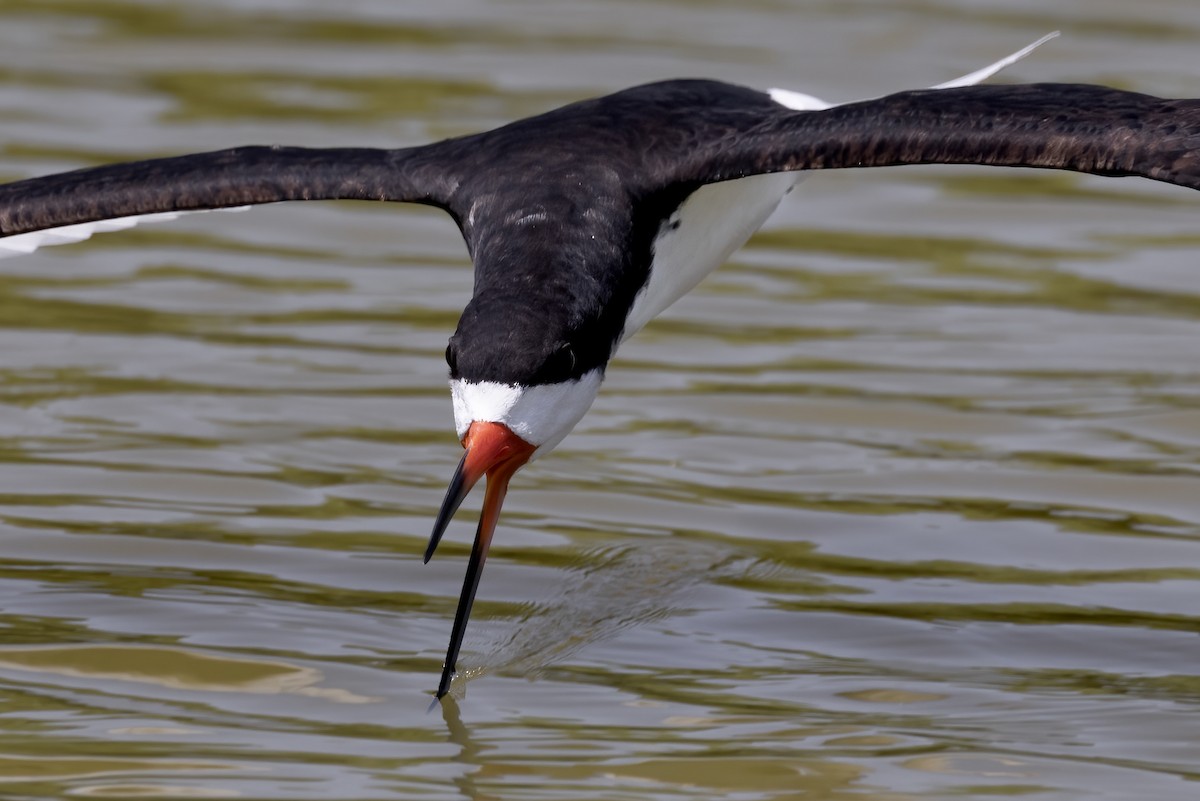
[455, 494]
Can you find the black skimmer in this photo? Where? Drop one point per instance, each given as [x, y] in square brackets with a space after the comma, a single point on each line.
[586, 221]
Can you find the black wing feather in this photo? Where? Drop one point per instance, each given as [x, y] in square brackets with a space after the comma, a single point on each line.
[1091, 129]
[222, 179]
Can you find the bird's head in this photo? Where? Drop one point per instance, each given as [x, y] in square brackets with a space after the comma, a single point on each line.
[519, 384]
[502, 427]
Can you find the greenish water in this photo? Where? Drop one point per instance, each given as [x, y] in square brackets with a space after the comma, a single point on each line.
[901, 503]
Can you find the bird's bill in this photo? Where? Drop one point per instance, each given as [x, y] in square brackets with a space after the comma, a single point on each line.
[492, 449]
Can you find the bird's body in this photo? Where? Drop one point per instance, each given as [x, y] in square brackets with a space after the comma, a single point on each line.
[588, 220]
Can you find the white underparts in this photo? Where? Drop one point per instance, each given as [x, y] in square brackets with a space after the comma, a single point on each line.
[540, 415]
[712, 223]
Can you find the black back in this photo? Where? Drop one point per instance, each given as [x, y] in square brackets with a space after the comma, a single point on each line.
[560, 212]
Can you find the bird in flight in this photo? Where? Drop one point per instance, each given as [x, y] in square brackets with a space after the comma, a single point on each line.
[586, 221]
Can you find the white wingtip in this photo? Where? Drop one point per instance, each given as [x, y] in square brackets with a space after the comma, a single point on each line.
[978, 76]
[22, 244]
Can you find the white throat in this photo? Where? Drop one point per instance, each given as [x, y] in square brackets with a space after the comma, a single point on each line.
[540, 415]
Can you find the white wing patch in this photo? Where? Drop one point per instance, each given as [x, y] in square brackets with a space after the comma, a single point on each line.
[27, 243]
[798, 101]
[979, 76]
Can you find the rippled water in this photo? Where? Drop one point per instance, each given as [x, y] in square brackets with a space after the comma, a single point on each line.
[901, 503]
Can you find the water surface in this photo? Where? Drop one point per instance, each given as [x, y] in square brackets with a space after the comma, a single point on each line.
[901, 503]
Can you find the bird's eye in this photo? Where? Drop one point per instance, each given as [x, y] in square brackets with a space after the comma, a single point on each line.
[562, 362]
[452, 360]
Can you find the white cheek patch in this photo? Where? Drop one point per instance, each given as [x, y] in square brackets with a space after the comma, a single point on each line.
[540, 415]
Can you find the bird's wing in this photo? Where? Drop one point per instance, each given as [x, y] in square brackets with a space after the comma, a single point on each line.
[1090, 129]
[71, 206]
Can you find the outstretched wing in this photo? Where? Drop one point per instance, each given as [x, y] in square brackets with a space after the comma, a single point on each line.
[1090, 129]
[70, 206]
